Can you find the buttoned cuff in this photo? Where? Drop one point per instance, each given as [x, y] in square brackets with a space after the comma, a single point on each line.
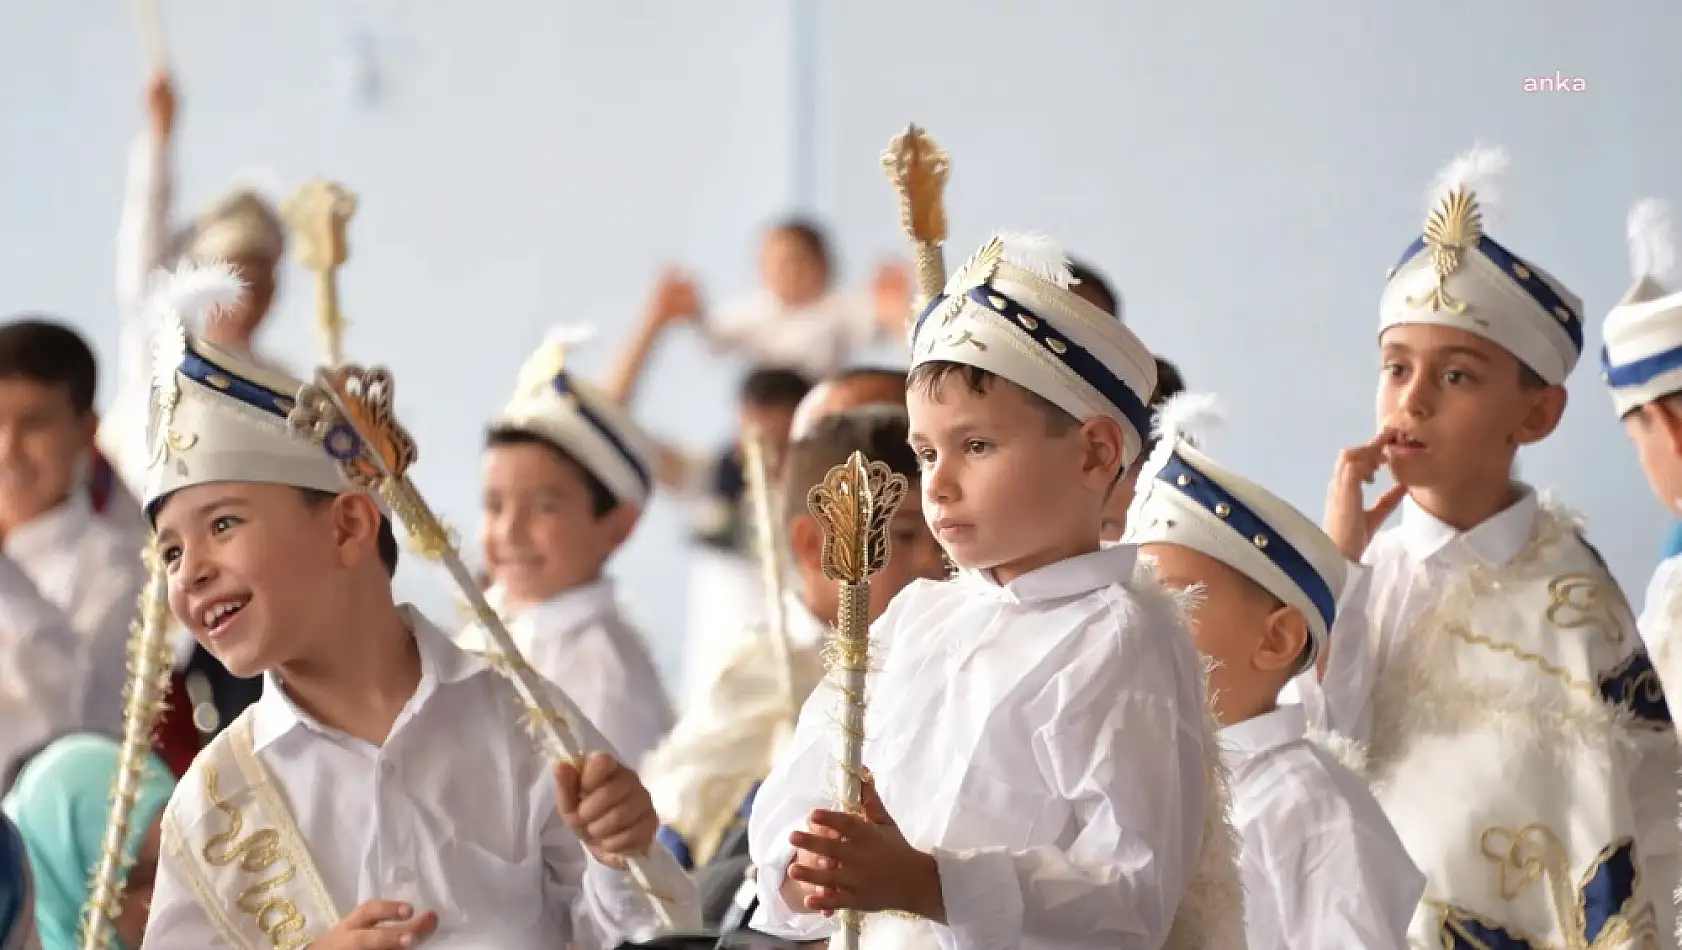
[983, 899]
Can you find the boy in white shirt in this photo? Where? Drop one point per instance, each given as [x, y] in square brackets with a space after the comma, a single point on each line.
[1484, 671]
[1044, 765]
[1323, 868]
[1642, 365]
[382, 791]
[567, 474]
[65, 571]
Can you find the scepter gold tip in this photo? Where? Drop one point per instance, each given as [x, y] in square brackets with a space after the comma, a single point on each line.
[918, 169]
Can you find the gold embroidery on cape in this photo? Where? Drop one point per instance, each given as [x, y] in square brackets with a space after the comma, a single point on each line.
[277, 917]
[1534, 852]
[1580, 600]
[1644, 688]
[1462, 632]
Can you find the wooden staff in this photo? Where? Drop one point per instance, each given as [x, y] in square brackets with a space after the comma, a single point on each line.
[150, 663]
[317, 216]
[854, 503]
[919, 169]
[349, 411]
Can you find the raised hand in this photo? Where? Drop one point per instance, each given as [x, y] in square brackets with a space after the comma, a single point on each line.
[160, 106]
[1349, 522]
[676, 299]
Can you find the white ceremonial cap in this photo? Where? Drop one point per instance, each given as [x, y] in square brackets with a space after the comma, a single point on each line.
[240, 224]
[216, 417]
[1185, 498]
[1642, 358]
[568, 412]
[1009, 310]
[1455, 275]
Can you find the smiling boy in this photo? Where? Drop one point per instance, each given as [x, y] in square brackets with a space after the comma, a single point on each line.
[1043, 769]
[382, 791]
[1484, 663]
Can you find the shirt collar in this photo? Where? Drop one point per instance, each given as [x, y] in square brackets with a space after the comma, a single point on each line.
[1070, 577]
[1245, 740]
[1495, 542]
[442, 662]
[574, 607]
[50, 531]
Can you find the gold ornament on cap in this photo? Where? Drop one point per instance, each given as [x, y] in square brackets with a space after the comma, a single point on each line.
[317, 215]
[854, 504]
[1453, 228]
[918, 169]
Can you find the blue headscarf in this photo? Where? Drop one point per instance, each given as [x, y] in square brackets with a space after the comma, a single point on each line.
[61, 801]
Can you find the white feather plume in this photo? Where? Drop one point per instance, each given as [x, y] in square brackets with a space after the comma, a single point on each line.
[568, 336]
[1038, 255]
[1479, 171]
[1652, 242]
[196, 291]
[1188, 417]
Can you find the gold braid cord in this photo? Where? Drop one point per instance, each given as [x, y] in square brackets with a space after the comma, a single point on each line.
[854, 503]
[150, 662]
[919, 169]
[317, 215]
[349, 411]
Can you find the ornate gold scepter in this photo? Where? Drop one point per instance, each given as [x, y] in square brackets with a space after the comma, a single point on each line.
[854, 503]
[349, 410]
[150, 662]
[919, 169]
[756, 472]
[317, 215]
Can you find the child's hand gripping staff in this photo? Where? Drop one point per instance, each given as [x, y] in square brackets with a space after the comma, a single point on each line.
[349, 411]
[854, 503]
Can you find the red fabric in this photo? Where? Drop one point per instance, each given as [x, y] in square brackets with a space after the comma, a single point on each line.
[175, 737]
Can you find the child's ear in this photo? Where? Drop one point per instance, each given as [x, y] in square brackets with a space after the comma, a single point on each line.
[356, 527]
[805, 545]
[621, 520]
[1283, 641]
[1547, 407]
[1662, 412]
[1105, 446]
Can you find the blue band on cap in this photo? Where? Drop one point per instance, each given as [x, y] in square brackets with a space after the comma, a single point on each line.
[563, 385]
[211, 376]
[1218, 501]
[1639, 372]
[1526, 277]
[1059, 346]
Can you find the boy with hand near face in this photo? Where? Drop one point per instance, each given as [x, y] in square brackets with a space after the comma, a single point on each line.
[567, 474]
[382, 792]
[1323, 869]
[1043, 767]
[1484, 664]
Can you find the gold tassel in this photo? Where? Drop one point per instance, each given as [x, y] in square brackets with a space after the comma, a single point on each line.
[919, 169]
[150, 662]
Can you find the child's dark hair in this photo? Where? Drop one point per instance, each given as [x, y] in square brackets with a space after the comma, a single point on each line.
[773, 387]
[858, 373]
[880, 432]
[1088, 278]
[50, 353]
[810, 234]
[928, 376]
[387, 540]
[602, 499]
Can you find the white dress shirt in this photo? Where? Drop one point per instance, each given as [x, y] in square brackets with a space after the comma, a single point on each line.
[89, 570]
[1323, 868]
[1044, 739]
[455, 813]
[726, 738]
[1489, 684]
[581, 641]
[816, 340]
[1661, 623]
